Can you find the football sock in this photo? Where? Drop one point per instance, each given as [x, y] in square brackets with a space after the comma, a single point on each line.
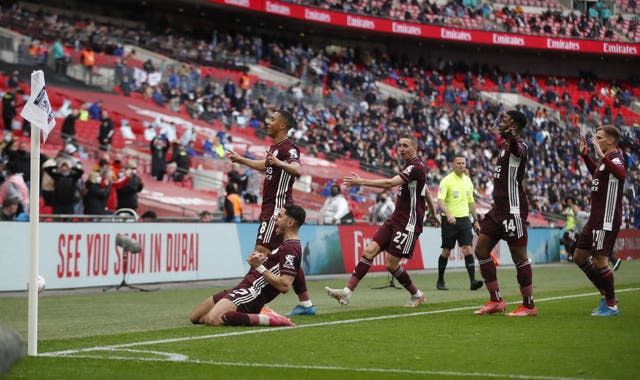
[488, 271]
[606, 279]
[442, 266]
[405, 280]
[359, 272]
[300, 285]
[306, 303]
[236, 318]
[471, 267]
[524, 275]
[592, 273]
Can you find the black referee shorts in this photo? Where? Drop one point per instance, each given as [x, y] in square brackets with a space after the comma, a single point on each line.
[461, 232]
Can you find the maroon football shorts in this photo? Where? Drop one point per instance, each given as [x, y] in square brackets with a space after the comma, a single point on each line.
[395, 240]
[510, 228]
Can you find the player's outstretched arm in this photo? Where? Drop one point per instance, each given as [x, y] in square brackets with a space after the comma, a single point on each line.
[385, 183]
[253, 164]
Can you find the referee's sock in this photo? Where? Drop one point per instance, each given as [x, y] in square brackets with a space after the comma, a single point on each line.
[442, 266]
[471, 267]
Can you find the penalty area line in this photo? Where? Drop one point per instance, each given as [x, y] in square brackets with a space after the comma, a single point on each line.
[310, 325]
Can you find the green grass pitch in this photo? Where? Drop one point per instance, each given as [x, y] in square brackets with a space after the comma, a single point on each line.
[134, 335]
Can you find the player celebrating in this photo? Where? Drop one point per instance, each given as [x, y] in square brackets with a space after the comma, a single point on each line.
[596, 241]
[399, 234]
[507, 219]
[281, 168]
[267, 278]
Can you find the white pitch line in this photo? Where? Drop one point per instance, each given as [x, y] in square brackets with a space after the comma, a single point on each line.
[320, 324]
[401, 371]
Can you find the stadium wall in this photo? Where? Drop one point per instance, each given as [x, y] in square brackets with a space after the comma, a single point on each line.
[85, 254]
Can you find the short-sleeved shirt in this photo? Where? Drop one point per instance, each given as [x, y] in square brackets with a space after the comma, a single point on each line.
[509, 197]
[456, 193]
[278, 184]
[282, 261]
[410, 206]
[606, 195]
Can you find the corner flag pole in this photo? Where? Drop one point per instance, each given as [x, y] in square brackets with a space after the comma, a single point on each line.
[39, 113]
[34, 224]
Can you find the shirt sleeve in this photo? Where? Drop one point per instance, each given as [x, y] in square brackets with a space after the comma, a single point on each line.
[293, 155]
[470, 198]
[442, 189]
[616, 166]
[289, 261]
[409, 173]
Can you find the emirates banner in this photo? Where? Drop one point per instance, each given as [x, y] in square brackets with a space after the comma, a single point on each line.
[435, 32]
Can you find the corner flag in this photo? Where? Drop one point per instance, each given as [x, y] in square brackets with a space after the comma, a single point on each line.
[38, 109]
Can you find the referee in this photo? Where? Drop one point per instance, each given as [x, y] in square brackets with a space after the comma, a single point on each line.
[455, 199]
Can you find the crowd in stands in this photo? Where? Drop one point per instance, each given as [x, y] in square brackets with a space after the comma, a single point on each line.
[597, 22]
[447, 119]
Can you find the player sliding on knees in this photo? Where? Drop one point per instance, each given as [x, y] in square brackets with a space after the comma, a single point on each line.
[267, 278]
[399, 234]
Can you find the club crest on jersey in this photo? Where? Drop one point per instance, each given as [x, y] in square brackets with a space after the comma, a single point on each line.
[293, 153]
[289, 262]
[601, 168]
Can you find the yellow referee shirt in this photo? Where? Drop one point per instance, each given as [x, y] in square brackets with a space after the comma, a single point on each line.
[456, 193]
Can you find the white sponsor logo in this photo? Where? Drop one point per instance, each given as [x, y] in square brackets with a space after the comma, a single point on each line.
[452, 34]
[620, 49]
[311, 14]
[238, 3]
[562, 44]
[360, 22]
[406, 28]
[288, 262]
[280, 9]
[503, 39]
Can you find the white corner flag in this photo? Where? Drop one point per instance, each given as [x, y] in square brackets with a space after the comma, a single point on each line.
[39, 113]
[38, 109]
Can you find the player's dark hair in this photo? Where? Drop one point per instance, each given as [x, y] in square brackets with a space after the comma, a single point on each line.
[287, 118]
[295, 212]
[458, 155]
[409, 136]
[519, 118]
[610, 130]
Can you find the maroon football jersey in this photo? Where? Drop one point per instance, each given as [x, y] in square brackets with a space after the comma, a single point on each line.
[278, 184]
[284, 260]
[606, 194]
[508, 194]
[410, 205]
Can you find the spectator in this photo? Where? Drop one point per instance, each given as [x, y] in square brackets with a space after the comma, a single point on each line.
[65, 179]
[128, 194]
[10, 211]
[68, 130]
[382, 210]
[105, 134]
[9, 108]
[232, 205]
[149, 216]
[181, 159]
[88, 62]
[95, 198]
[159, 148]
[335, 207]
[206, 216]
[15, 187]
